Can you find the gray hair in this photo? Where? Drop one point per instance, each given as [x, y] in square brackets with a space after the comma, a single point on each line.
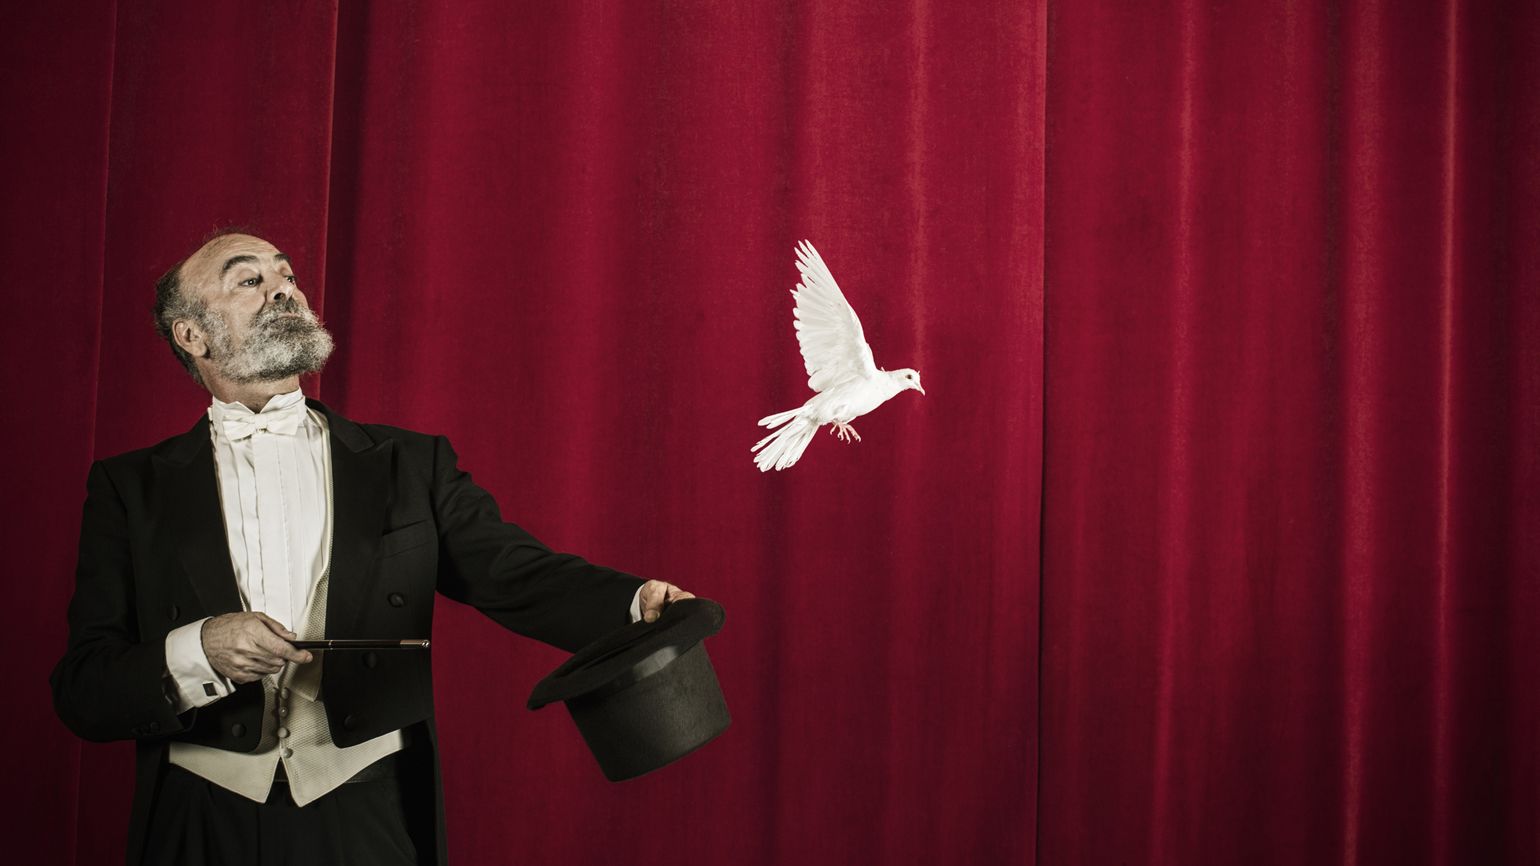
[172, 305]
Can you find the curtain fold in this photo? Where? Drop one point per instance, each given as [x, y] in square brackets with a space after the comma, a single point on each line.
[49, 365]
[1290, 438]
[1214, 539]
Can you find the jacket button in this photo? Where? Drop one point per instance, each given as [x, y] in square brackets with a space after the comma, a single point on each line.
[370, 660]
[349, 722]
[237, 730]
[396, 599]
[173, 612]
[154, 727]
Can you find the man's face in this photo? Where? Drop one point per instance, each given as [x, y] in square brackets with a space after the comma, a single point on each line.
[256, 324]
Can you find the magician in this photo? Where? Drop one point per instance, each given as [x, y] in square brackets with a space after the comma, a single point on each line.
[274, 520]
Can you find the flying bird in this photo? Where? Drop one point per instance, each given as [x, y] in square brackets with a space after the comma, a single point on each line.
[840, 369]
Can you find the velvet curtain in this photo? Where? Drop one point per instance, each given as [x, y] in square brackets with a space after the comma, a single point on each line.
[1290, 524]
[1215, 539]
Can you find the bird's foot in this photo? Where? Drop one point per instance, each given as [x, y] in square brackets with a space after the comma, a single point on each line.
[844, 431]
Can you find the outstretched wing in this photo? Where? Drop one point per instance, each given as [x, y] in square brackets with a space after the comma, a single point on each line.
[833, 345]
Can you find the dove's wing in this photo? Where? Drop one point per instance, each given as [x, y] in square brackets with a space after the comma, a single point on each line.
[833, 345]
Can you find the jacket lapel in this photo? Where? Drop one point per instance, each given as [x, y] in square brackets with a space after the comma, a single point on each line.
[361, 499]
[194, 518]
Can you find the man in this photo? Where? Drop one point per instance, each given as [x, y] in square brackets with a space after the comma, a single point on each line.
[203, 558]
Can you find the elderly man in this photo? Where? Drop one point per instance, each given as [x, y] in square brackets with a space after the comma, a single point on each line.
[275, 520]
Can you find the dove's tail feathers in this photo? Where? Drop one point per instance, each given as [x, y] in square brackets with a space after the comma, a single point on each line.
[778, 418]
[784, 446]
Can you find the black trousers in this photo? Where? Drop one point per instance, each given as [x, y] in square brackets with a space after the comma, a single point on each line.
[198, 823]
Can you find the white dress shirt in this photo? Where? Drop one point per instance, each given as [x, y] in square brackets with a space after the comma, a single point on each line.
[277, 521]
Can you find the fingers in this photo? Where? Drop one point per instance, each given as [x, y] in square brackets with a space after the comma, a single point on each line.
[248, 646]
[275, 641]
[276, 626]
[246, 669]
[251, 671]
[280, 645]
[656, 595]
[279, 650]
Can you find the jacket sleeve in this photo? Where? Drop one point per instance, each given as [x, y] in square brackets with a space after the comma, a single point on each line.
[507, 574]
[109, 685]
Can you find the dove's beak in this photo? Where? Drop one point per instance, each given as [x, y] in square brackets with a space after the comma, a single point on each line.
[918, 388]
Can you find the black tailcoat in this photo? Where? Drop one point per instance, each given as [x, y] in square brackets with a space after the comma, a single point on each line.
[406, 522]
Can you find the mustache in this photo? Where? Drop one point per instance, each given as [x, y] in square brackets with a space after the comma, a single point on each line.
[272, 313]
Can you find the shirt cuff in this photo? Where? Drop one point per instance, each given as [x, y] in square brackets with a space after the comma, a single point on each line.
[193, 681]
[636, 606]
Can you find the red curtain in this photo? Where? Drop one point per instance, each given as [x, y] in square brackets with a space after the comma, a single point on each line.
[1291, 531]
[1215, 540]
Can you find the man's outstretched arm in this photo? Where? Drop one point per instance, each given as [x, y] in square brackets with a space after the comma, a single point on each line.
[509, 575]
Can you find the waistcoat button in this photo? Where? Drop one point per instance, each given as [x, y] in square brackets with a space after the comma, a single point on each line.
[349, 722]
[173, 612]
[396, 599]
[371, 659]
[237, 730]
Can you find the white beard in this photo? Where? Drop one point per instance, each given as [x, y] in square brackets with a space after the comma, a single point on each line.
[275, 348]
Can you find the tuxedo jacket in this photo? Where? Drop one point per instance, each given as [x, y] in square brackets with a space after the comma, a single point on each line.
[407, 523]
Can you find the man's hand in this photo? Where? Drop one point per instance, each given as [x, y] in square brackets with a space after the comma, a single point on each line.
[247, 646]
[657, 595]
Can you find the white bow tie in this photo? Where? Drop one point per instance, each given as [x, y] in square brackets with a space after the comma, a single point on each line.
[284, 421]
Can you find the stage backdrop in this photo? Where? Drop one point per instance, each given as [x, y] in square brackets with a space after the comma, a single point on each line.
[1215, 540]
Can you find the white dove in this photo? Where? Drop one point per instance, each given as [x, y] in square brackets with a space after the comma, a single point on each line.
[839, 368]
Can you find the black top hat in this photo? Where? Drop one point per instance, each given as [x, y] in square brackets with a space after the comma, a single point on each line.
[644, 695]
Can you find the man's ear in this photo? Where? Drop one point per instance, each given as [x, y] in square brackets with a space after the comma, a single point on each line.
[190, 337]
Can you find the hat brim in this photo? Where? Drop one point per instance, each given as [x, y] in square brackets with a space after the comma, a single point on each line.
[631, 653]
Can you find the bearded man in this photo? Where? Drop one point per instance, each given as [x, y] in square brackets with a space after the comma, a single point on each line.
[273, 520]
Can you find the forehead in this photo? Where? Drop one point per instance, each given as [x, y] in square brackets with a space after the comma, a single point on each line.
[224, 255]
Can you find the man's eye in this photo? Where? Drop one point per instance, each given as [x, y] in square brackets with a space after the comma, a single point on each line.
[291, 278]
[251, 281]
